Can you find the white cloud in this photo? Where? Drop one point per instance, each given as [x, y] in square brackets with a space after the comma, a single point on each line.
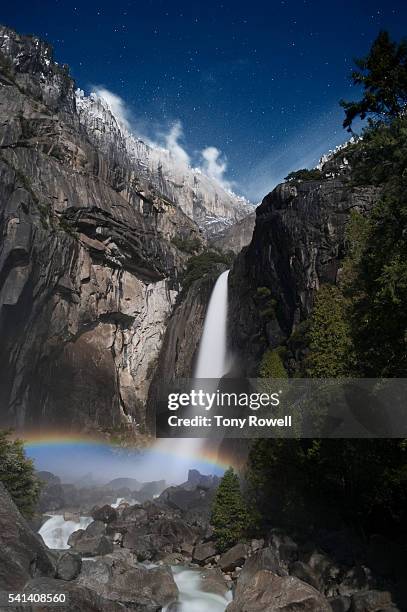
[116, 104]
[215, 166]
[173, 145]
[212, 163]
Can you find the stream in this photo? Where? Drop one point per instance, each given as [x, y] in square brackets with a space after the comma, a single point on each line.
[56, 531]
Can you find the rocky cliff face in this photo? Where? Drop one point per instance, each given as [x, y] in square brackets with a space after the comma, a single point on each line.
[298, 244]
[202, 198]
[88, 258]
[237, 236]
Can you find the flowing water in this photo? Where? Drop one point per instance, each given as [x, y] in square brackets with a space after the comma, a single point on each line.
[212, 356]
[56, 530]
[192, 598]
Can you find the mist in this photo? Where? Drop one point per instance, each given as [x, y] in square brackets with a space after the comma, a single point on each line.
[101, 463]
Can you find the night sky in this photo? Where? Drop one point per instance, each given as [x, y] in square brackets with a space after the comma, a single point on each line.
[258, 80]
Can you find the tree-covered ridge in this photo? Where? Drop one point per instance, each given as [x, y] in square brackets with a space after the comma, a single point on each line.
[357, 328]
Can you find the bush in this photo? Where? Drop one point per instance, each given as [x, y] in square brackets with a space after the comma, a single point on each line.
[17, 474]
[229, 517]
[200, 265]
[187, 245]
[271, 365]
[329, 335]
[304, 175]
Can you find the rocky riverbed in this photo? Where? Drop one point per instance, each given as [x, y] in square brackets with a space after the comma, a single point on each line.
[161, 555]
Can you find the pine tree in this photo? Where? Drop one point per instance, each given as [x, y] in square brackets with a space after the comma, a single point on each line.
[17, 474]
[383, 75]
[329, 335]
[229, 516]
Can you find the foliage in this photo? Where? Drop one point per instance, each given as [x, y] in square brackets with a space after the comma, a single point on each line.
[357, 328]
[377, 269]
[328, 483]
[17, 474]
[304, 175]
[271, 365]
[202, 264]
[229, 517]
[329, 335]
[383, 76]
[187, 245]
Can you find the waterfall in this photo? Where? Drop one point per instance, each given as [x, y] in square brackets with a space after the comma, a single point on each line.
[212, 349]
[211, 363]
[56, 530]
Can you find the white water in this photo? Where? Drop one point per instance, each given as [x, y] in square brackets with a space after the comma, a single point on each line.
[212, 362]
[192, 598]
[56, 531]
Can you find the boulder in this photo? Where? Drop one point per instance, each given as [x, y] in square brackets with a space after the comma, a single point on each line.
[69, 565]
[285, 546]
[234, 557]
[267, 592]
[23, 554]
[136, 514]
[116, 580]
[97, 528]
[340, 604]
[106, 514]
[304, 572]
[93, 546]
[264, 559]
[75, 537]
[146, 546]
[213, 581]
[203, 552]
[371, 601]
[78, 597]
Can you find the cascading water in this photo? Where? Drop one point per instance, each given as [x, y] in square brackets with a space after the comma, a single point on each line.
[212, 361]
[192, 598]
[56, 530]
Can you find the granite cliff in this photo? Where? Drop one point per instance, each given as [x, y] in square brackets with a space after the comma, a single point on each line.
[298, 244]
[92, 250]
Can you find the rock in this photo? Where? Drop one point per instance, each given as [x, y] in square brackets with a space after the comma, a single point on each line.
[285, 546]
[78, 597]
[92, 546]
[264, 559]
[358, 578]
[75, 537]
[213, 581]
[305, 573]
[203, 552]
[23, 554]
[237, 236]
[297, 246]
[233, 557]
[187, 549]
[97, 528]
[69, 565]
[267, 592]
[105, 514]
[371, 601]
[256, 544]
[116, 580]
[93, 243]
[340, 604]
[135, 513]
